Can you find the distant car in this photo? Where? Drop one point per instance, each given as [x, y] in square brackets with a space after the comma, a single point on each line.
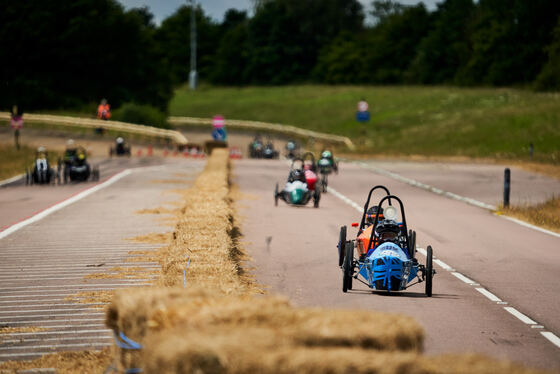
[121, 148]
[76, 168]
[298, 190]
[386, 249]
[256, 148]
[269, 151]
[326, 166]
[41, 171]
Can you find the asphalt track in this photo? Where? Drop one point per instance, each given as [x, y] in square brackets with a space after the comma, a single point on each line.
[45, 262]
[294, 252]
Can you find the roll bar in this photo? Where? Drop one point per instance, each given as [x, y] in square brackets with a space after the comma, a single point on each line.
[366, 206]
[389, 197]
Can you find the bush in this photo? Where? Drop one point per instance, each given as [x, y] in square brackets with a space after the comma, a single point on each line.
[142, 115]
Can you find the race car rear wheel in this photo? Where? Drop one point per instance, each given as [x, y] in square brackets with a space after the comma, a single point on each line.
[341, 245]
[348, 268]
[429, 271]
[276, 195]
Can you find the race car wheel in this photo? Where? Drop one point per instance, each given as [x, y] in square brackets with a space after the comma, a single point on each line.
[412, 241]
[276, 195]
[341, 245]
[95, 174]
[429, 271]
[27, 177]
[348, 268]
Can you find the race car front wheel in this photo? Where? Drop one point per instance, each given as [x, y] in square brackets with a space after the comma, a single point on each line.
[348, 268]
[341, 245]
[276, 195]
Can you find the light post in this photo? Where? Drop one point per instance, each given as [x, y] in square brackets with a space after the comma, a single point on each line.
[192, 74]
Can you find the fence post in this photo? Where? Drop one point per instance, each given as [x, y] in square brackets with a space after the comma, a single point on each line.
[507, 185]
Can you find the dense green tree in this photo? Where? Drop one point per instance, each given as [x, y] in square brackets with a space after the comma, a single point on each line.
[286, 36]
[446, 48]
[173, 37]
[68, 52]
[549, 77]
[507, 39]
[231, 57]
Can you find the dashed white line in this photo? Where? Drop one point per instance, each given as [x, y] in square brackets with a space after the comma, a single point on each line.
[463, 278]
[522, 317]
[552, 338]
[104, 331]
[64, 204]
[488, 294]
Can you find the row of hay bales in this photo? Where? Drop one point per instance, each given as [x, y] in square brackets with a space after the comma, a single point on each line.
[210, 317]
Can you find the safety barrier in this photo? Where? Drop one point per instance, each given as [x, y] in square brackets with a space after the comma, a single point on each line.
[265, 126]
[131, 128]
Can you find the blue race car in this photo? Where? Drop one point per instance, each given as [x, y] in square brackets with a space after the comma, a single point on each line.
[386, 250]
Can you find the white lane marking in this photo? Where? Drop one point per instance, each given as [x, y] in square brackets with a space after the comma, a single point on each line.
[551, 337]
[81, 338]
[345, 199]
[528, 225]
[68, 286]
[522, 317]
[60, 327]
[54, 346]
[488, 294]
[104, 331]
[463, 278]
[63, 204]
[4, 318]
[42, 321]
[443, 265]
[12, 179]
[18, 304]
[451, 195]
[47, 310]
[424, 186]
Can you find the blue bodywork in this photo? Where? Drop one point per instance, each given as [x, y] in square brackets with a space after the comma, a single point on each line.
[387, 267]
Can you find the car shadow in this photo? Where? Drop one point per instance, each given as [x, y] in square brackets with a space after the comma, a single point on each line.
[406, 294]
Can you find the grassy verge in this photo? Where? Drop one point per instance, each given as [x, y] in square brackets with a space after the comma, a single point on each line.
[406, 120]
[14, 162]
[545, 215]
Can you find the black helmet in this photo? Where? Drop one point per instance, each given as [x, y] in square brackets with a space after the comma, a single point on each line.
[372, 211]
[387, 230]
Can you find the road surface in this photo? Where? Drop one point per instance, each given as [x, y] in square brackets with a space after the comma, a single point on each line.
[294, 252]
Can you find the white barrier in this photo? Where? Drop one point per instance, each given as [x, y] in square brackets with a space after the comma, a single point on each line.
[131, 128]
[255, 125]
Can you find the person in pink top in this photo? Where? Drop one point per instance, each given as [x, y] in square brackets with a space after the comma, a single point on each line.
[16, 122]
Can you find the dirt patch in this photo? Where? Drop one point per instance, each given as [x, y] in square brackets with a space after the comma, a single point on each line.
[153, 238]
[91, 297]
[11, 330]
[84, 362]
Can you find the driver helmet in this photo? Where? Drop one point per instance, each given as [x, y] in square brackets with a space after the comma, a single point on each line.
[326, 154]
[307, 165]
[372, 212]
[41, 149]
[70, 144]
[298, 175]
[387, 230]
[120, 140]
[291, 146]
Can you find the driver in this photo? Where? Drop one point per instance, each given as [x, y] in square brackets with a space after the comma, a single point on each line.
[70, 152]
[296, 175]
[328, 156]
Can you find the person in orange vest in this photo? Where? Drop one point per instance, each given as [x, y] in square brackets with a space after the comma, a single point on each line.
[104, 110]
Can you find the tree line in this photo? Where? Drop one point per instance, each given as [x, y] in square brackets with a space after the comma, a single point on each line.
[68, 53]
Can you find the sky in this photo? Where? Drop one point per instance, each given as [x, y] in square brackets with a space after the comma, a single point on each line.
[216, 8]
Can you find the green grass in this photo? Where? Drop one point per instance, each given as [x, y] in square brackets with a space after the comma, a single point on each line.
[14, 162]
[405, 120]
